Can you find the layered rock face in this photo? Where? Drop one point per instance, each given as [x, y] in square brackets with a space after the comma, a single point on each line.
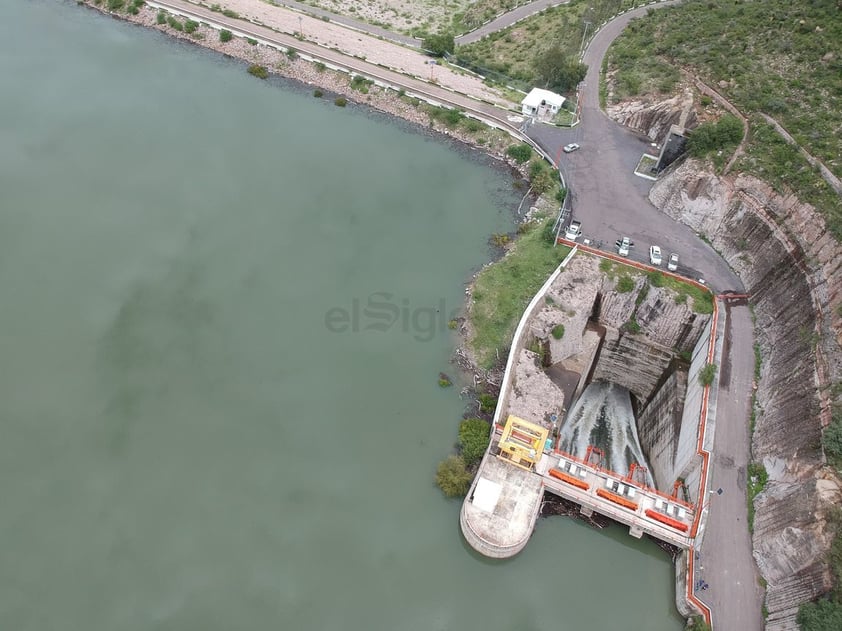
[792, 267]
[655, 118]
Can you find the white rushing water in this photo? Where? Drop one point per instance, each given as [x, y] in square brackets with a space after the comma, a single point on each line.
[603, 417]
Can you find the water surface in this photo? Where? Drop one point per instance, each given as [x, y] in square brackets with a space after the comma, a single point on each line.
[187, 443]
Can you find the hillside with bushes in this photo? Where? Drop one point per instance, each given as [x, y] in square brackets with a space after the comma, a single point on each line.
[777, 57]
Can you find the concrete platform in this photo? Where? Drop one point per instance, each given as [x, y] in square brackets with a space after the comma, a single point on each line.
[500, 510]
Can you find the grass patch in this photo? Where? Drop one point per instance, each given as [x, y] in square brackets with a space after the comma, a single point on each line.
[503, 290]
[701, 299]
[625, 284]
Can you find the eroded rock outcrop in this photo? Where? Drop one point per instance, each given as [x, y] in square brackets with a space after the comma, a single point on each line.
[654, 118]
[792, 266]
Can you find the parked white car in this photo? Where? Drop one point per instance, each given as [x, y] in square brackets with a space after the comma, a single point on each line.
[574, 231]
[672, 262]
[623, 246]
[655, 255]
[571, 147]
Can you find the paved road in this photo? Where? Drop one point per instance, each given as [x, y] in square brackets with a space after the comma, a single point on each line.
[606, 195]
[507, 19]
[726, 563]
[484, 110]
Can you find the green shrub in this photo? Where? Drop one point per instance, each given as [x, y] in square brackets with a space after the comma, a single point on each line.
[709, 137]
[632, 326]
[823, 615]
[251, 41]
[230, 14]
[707, 374]
[452, 477]
[258, 71]
[190, 26]
[519, 153]
[487, 403]
[474, 436]
[625, 284]
[558, 331]
[438, 45]
[292, 54]
[174, 24]
[340, 101]
[161, 18]
[225, 36]
[114, 5]
[832, 439]
[656, 278]
[318, 93]
[757, 478]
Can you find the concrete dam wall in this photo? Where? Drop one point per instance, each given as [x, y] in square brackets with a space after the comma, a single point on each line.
[654, 428]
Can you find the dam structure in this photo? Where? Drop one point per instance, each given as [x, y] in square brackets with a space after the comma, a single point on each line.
[602, 404]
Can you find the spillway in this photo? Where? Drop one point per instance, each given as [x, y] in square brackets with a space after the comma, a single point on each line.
[603, 417]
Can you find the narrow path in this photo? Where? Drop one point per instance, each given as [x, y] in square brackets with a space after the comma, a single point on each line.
[716, 96]
[507, 19]
[828, 176]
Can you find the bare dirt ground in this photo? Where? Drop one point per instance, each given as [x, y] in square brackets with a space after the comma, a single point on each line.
[397, 15]
[362, 46]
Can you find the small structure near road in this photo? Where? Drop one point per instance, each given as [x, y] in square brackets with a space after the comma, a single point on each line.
[541, 104]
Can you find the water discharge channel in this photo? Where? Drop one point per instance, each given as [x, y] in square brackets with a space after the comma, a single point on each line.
[221, 330]
[603, 416]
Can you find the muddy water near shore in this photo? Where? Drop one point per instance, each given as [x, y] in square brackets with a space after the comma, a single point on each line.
[222, 325]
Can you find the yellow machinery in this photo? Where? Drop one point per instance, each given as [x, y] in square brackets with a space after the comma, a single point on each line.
[522, 442]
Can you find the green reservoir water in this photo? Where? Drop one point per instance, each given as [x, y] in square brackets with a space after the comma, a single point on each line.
[186, 442]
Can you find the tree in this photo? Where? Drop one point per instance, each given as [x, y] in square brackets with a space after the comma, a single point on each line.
[519, 153]
[823, 615]
[474, 435]
[559, 71]
[452, 477]
[439, 45]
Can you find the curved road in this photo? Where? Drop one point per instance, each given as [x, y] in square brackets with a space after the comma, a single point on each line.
[507, 19]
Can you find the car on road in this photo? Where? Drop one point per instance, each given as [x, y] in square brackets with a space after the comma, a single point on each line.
[672, 262]
[571, 147]
[574, 231]
[655, 255]
[623, 246]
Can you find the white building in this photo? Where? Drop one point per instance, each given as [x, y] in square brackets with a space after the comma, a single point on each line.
[541, 104]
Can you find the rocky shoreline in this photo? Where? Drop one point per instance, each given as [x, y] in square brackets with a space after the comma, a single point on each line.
[490, 142]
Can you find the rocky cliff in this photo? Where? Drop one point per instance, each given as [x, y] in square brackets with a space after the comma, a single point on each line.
[792, 267]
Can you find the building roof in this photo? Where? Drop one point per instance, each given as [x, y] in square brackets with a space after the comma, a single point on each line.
[486, 495]
[537, 95]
